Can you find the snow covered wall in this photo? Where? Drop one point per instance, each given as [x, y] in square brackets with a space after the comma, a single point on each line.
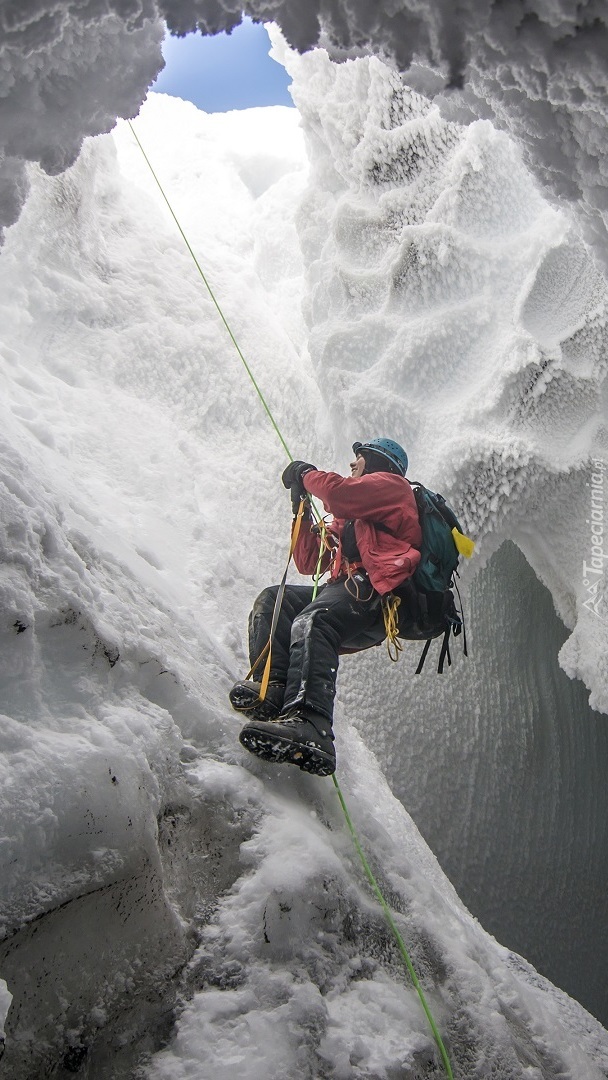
[450, 305]
[125, 420]
[415, 280]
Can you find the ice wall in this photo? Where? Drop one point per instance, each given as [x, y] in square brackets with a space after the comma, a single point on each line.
[127, 429]
[451, 306]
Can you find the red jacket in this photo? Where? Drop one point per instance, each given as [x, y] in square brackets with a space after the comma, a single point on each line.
[384, 498]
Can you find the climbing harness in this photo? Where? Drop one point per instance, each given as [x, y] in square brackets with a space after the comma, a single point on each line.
[267, 650]
[354, 579]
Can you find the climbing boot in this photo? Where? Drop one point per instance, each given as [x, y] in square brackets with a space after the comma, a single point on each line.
[299, 737]
[245, 697]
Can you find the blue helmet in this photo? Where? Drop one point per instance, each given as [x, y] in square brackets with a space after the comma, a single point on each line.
[386, 448]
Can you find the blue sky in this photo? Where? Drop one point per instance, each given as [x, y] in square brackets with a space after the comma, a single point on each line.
[228, 71]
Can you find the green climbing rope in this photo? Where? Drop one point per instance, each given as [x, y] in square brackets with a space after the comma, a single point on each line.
[400, 942]
[366, 867]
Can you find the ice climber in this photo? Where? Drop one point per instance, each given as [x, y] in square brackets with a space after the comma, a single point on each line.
[371, 546]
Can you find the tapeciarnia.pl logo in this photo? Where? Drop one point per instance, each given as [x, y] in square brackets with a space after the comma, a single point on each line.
[594, 569]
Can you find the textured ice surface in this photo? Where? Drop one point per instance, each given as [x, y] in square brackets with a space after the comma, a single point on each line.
[150, 864]
[450, 305]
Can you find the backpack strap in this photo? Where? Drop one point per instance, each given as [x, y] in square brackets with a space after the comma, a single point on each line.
[462, 622]
[445, 651]
[427, 646]
[443, 655]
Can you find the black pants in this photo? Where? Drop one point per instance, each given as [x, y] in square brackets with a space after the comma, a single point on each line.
[309, 634]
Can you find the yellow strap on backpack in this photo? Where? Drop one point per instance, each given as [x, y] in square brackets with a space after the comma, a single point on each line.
[465, 545]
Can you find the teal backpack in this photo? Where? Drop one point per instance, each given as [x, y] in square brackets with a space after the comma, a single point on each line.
[438, 555]
[428, 609]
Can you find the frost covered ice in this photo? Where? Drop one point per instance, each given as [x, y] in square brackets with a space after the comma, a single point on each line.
[150, 867]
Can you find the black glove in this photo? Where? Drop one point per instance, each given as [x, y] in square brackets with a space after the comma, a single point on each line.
[295, 471]
[292, 478]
